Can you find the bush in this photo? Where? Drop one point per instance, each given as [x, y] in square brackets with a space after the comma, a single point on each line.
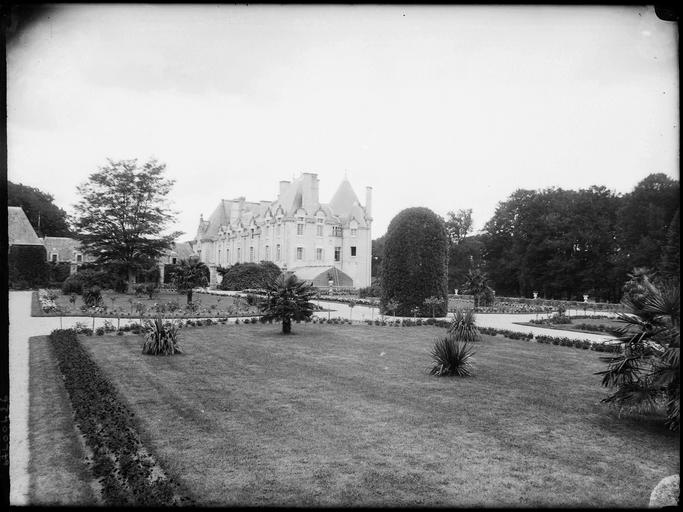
[99, 331]
[92, 297]
[451, 357]
[463, 327]
[58, 272]
[161, 338]
[414, 266]
[242, 276]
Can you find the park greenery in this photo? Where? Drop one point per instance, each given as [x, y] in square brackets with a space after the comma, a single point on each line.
[249, 275]
[415, 263]
[288, 299]
[189, 274]
[46, 218]
[122, 215]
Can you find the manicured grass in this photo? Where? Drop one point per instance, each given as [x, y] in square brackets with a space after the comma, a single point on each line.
[57, 471]
[123, 305]
[347, 415]
[574, 326]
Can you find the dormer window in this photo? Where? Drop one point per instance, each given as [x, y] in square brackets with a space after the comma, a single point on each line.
[319, 224]
[336, 231]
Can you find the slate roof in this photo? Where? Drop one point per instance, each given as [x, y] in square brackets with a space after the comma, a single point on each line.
[19, 229]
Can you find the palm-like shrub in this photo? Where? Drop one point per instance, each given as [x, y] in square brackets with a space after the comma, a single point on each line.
[288, 299]
[646, 375]
[190, 273]
[476, 284]
[161, 338]
[452, 357]
[463, 327]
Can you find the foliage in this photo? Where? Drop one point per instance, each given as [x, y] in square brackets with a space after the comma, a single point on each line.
[58, 272]
[190, 273]
[464, 256]
[647, 374]
[670, 264]
[161, 338]
[288, 299]
[415, 261]
[452, 357]
[242, 276]
[458, 225]
[127, 473]
[27, 266]
[92, 297]
[46, 218]
[122, 214]
[377, 256]
[433, 302]
[463, 326]
[476, 284]
[104, 277]
[374, 290]
[558, 242]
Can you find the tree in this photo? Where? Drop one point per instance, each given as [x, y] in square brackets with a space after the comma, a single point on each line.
[377, 256]
[123, 212]
[432, 302]
[288, 299]
[46, 218]
[647, 373]
[463, 257]
[415, 262]
[671, 252]
[189, 274]
[458, 225]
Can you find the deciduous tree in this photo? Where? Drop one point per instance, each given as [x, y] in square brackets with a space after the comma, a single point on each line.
[123, 214]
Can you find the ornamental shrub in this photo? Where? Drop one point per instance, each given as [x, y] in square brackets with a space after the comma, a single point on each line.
[415, 263]
[243, 276]
[92, 297]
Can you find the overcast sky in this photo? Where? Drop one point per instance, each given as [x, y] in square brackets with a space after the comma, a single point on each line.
[447, 107]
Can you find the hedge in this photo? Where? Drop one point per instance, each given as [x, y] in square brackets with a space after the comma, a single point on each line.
[241, 276]
[27, 266]
[119, 460]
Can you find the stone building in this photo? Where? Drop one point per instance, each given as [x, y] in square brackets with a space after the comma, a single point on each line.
[326, 243]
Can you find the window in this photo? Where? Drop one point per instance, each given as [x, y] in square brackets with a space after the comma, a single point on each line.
[353, 250]
[227, 256]
[174, 261]
[267, 252]
[299, 225]
[319, 226]
[337, 254]
[279, 229]
[354, 231]
[251, 253]
[252, 232]
[79, 258]
[219, 257]
[319, 254]
[278, 255]
[337, 231]
[239, 254]
[267, 229]
[54, 257]
[299, 253]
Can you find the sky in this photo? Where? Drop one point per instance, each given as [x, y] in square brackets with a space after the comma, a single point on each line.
[447, 107]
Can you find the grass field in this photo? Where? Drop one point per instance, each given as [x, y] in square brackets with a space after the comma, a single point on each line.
[574, 326]
[347, 415]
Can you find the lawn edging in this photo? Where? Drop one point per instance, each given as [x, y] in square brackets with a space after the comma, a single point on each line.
[127, 472]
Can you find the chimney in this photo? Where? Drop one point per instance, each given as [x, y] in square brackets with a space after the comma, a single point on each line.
[368, 202]
[309, 191]
[284, 186]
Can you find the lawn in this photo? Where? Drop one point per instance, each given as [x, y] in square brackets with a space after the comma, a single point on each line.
[576, 324]
[347, 415]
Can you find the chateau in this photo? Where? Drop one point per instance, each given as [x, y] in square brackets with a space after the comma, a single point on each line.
[326, 243]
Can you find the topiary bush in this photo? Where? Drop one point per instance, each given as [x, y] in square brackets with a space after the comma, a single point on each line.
[27, 266]
[415, 263]
[243, 276]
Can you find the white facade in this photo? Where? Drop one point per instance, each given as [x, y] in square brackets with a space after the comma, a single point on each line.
[295, 231]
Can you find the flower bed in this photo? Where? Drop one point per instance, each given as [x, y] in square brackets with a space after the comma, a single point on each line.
[127, 473]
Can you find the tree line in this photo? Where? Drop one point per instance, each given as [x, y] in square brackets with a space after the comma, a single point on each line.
[563, 244]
